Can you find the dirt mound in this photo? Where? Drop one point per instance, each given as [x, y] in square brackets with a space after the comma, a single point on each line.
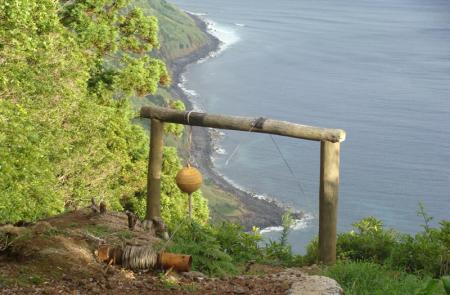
[57, 256]
[63, 245]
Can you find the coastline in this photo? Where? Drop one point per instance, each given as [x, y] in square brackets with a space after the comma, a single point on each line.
[259, 212]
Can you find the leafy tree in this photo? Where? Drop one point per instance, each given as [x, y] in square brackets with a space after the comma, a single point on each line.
[67, 70]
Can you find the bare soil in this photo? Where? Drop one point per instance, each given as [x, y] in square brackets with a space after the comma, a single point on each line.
[56, 256]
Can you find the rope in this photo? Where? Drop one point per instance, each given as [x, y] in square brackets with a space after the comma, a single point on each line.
[190, 158]
[257, 123]
[297, 179]
[139, 257]
[173, 234]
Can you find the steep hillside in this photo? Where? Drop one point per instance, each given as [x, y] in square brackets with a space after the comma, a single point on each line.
[179, 34]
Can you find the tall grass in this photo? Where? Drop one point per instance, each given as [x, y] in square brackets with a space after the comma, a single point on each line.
[368, 278]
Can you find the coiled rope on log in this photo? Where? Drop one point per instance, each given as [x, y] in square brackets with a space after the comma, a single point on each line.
[139, 257]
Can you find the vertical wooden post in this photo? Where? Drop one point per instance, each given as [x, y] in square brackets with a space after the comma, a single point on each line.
[154, 171]
[329, 191]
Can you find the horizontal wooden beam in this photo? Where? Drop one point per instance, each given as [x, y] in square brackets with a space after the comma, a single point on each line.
[261, 125]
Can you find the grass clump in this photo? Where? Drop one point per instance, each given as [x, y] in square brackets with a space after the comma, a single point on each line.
[223, 249]
[201, 241]
[426, 253]
[360, 278]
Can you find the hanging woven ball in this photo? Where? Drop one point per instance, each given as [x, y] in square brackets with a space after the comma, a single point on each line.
[189, 179]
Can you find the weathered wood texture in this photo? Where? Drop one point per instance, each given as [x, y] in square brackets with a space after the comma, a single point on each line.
[244, 124]
[328, 200]
[154, 171]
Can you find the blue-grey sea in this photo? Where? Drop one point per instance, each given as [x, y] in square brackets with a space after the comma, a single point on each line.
[379, 69]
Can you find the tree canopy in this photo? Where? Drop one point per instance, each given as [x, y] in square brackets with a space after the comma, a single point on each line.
[67, 71]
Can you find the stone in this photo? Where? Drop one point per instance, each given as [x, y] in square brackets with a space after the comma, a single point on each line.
[240, 290]
[191, 275]
[315, 285]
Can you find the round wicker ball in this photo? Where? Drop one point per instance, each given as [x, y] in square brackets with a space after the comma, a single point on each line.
[189, 179]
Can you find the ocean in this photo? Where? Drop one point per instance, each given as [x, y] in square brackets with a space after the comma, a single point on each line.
[379, 69]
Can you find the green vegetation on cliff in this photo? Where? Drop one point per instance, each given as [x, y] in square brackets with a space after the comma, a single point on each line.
[67, 71]
[179, 34]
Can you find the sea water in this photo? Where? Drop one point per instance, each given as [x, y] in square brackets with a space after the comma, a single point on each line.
[379, 69]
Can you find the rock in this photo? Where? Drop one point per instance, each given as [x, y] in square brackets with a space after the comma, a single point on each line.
[191, 275]
[240, 290]
[315, 285]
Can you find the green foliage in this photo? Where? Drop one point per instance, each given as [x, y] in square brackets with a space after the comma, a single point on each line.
[371, 278]
[241, 246]
[179, 34]
[312, 252]
[287, 222]
[220, 249]
[280, 252]
[426, 253]
[66, 70]
[22, 162]
[431, 286]
[446, 284]
[172, 128]
[201, 241]
[369, 242]
[426, 218]
[174, 203]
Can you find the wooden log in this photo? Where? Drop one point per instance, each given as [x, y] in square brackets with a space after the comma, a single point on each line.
[154, 171]
[329, 191]
[261, 125]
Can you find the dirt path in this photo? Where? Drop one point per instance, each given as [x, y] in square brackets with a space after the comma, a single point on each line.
[57, 256]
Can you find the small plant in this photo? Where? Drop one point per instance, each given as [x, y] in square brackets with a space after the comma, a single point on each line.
[427, 252]
[54, 232]
[241, 246]
[35, 280]
[280, 252]
[168, 282]
[446, 284]
[371, 278]
[124, 234]
[426, 218]
[369, 241]
[99, 230]
[287, 222]
[201, 241]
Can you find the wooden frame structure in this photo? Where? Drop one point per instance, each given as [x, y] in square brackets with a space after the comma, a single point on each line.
[330, 140]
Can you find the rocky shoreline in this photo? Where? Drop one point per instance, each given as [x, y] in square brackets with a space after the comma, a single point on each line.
[262, 213]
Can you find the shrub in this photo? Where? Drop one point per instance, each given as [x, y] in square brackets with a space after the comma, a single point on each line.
[215, 249]
[241, 246]
[280, 252]
[207, 254]
[312, 252]
[371, 278]
[369, 242]
[427, 252]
